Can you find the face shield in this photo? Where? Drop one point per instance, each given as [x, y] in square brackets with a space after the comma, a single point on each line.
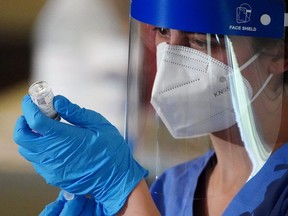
[205, 78]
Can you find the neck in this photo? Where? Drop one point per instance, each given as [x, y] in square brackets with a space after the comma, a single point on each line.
[230, 173]
[233, 164]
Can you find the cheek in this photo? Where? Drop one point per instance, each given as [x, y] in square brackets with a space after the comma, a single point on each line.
[220, 54]
[243, 49]
[148, 36]
[255, 75]
[159, 40]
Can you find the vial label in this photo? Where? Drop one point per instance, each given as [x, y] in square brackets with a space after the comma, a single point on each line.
[42, 95]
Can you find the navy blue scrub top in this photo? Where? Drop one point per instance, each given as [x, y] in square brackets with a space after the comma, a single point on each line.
[264, 194]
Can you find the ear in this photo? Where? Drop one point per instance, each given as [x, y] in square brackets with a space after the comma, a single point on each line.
[278, 65]
[279, 58]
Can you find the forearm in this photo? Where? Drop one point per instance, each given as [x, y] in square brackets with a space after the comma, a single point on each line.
[140, 203]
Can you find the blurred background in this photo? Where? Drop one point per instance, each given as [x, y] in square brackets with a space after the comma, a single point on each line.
[80, 49]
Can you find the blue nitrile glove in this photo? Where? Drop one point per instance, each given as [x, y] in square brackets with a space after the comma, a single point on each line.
[79, 206]
[87, 157]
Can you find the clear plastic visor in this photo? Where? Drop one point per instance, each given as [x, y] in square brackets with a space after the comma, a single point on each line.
[216, 98]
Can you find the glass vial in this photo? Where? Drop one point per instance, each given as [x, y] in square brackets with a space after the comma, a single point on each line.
[42, 95]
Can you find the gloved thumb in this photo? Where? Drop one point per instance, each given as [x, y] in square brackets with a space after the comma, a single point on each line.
[34, 118]
[76, 115]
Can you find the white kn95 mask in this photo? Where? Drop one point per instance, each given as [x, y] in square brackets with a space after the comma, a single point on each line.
[191, 92]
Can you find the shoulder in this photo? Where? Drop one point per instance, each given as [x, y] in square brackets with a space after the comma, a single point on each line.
[267, 192]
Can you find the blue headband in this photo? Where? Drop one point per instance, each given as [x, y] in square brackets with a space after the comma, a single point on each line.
[263, 18]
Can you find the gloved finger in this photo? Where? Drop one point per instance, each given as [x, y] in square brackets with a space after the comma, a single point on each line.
[23, 134]
[27, 138]
[45, 126]
[30, 156]
[77, 115]
[74, 206]
[36, 120]
[54, 208]
[89, 208]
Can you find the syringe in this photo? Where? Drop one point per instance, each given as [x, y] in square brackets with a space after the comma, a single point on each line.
[42, 95]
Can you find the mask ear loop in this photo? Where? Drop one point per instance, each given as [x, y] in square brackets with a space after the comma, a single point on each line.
[262, 87]
[245, 65]
[250, 61]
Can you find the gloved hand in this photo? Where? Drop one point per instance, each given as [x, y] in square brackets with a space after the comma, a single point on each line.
[79, 206]
[87, 156]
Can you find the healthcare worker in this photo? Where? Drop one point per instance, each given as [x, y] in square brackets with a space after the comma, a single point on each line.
[220, 83]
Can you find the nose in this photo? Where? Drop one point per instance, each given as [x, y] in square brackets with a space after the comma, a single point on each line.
[178, 38]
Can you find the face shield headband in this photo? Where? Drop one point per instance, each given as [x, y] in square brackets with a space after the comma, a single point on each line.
[216, 17]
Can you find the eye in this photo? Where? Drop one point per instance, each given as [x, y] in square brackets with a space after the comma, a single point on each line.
[198, 44]
[162, 32]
